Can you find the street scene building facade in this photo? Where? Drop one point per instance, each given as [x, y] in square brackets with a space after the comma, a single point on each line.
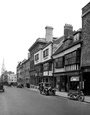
[85, 51]
[43, 64]
[63, 61]
[9, 77]
[43, 58]
[67, 61]
[23, 71]
[12, 79]
[40, 42]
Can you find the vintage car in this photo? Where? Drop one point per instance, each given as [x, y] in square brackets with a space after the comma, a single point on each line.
[19, 85]
[1, 87]
[46, 88]
[76, 95]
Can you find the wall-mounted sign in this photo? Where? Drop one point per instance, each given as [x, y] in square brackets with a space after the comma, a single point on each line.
[74, 79]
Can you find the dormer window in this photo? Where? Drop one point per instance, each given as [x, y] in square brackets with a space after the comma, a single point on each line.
[76, 37]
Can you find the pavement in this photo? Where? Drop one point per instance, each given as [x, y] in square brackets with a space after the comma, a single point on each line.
[64, 94]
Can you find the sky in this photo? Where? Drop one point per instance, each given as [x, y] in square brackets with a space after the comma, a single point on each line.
[23, 21]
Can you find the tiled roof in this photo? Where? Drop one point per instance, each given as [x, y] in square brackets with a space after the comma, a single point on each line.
[57, 43]
[42, 40]
[67, 43]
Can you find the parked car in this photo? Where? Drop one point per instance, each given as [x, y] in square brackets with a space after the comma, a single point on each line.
[9, 84]
[2, 87]
[27, 85]
[46, 88]
[19, 85]
[76, 95]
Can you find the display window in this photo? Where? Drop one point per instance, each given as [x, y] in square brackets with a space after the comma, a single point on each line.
[74, 83]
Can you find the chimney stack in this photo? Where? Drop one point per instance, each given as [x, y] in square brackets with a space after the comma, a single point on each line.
[49, 33]
[68, 30]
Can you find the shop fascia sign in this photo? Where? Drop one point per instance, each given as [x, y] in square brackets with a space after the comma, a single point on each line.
[74, 78]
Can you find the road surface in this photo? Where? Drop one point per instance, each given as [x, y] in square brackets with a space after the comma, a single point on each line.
[22, 101]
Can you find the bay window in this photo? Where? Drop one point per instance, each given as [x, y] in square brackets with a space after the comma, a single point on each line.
[59, 62]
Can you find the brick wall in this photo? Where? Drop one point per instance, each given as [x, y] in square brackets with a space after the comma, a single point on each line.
[85, 53]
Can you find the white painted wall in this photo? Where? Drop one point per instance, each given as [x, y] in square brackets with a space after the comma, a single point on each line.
[40, 57]
[50, 73]
[12, 78]
[47, 73]
[50, 53]
[59, 70]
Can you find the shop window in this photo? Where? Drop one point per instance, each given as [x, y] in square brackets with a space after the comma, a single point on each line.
[74, 83]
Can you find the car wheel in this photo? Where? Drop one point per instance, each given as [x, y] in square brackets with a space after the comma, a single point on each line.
[81, 98]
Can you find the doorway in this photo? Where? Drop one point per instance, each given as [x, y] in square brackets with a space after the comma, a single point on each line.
[63, 83]
[86, 79]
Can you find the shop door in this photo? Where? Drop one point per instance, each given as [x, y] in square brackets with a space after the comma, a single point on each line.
[86, 78]
[63, 83]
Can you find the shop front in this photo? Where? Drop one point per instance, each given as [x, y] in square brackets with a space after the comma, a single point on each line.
[38, 73]
[47, 77]
[74, 83]
[66, 81]
[86, 80]
[61, 82]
